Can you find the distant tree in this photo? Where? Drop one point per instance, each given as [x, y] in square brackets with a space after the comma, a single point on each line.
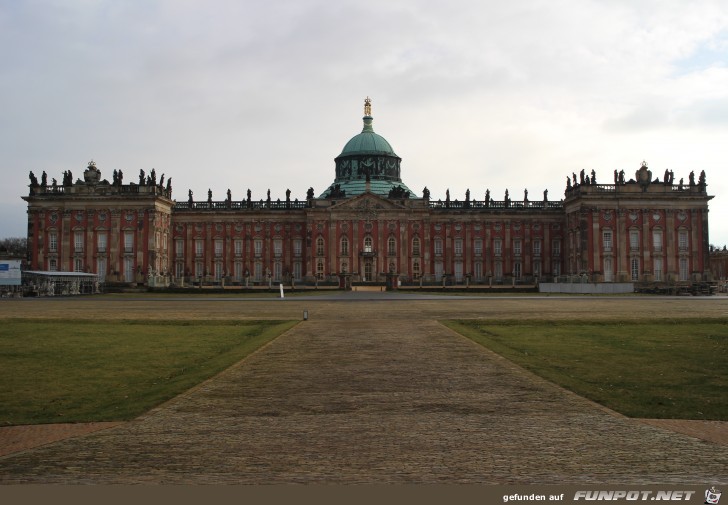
[14, 247]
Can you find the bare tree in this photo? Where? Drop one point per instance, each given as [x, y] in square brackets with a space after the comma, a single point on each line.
[14, 247]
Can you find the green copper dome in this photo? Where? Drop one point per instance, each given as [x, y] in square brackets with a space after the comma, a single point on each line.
[367, 164]
[368, 142]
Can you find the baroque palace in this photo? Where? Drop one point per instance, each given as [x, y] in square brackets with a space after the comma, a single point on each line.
[368, 226]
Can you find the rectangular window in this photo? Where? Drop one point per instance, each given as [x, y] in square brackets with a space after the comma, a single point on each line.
[458, 271]
[416, 269]
[278, 249]
[556, 247]
[438, 247]
[478, 247]
[438, 270]
[297, 247]
[277, 271]
[320, 246]
[101, 242]
[199, 270]
[607, 240]
[634, 240]
[218, 248]
[53, 265]
[78, 265]
[238, 248]
[238, 270]
[517, 247]
[497, 247]
[199, 248]
[537, 248]
[556, 268]
[416, 247]
[478, 271]
[258, 272]
[218, 271]
[498, 274]
[129, 269]
[180, 272]
[258, 248]
[608, 270]
[458, 247]
[101, 268]
[78, 243]
[657, 240]
[320, 269]
[517, 269]
[683, 240]
[179, 248]
[53, 242]
[128, 242]
[537, 268]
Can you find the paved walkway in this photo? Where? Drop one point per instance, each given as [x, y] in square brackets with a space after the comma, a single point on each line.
[374, 401]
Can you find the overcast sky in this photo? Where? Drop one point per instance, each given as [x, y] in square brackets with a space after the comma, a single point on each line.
[264, 94]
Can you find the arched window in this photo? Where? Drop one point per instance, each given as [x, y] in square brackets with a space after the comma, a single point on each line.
[344, 246]
[368, 244]
[416, 246]
[683, 272]
[635, 269]
[392, 246]
[320, 246]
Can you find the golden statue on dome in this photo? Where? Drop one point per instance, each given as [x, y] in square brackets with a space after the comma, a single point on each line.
[367, 106]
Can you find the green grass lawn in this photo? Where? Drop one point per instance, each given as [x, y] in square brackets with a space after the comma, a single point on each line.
[77, 371]
[650, 369]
